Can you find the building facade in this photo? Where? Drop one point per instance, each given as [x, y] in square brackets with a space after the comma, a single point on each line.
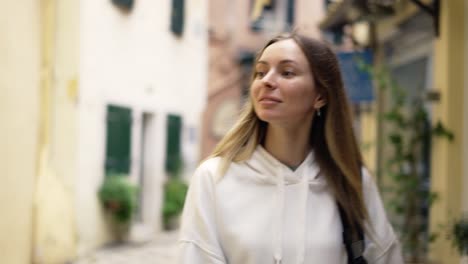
[94, 88]
[137, 70]
[421, 43]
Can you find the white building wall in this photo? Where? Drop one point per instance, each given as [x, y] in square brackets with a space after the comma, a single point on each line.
[134, 60]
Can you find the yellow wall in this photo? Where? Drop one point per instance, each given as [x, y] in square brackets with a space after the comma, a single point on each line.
[465, 119]
[19, 92]
[447, 156]
[369, 139]
[54, 216]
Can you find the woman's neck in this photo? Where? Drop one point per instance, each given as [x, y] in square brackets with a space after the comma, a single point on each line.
[290, 146]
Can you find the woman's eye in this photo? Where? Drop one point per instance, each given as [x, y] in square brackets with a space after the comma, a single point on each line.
[259, 74]
[288, 73]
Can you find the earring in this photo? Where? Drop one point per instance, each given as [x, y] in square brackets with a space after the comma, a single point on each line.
[318, 112]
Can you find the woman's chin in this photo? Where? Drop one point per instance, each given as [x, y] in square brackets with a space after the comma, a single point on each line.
[269, 118]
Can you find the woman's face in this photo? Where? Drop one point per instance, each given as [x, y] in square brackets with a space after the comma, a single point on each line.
[283, 90]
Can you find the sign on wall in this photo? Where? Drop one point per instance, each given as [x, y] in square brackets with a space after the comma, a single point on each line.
[357, 82]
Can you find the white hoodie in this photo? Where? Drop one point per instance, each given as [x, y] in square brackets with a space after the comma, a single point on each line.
[261, 211]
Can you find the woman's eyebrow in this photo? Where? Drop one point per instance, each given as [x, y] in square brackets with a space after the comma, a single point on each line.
[285, 61]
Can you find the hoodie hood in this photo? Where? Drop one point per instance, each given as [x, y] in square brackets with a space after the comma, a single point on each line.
[268, 170]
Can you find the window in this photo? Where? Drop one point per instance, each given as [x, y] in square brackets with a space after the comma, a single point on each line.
[124, 4]
[246, 60]
[173, 149]
[272, 15]
[177, 17]
[118, 140]
[290, 15]
[263, 12]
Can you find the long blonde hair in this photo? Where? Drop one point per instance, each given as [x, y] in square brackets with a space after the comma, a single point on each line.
[332, 137]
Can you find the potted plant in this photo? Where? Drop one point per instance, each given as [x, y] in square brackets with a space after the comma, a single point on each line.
[459, 235]
[175, 191]
[118, 196]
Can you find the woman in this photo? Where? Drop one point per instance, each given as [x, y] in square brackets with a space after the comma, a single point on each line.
[273, 188]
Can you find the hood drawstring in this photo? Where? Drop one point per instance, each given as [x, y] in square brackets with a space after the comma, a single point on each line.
[305, 184]
[309, 172]
[302, 217]
[278, 242]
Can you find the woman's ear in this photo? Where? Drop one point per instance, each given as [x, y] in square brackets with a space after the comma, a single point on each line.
[320, 101]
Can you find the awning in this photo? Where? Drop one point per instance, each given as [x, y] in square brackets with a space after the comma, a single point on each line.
[349, 11]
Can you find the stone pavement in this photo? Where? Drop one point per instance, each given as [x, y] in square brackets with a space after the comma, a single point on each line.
[162, 250]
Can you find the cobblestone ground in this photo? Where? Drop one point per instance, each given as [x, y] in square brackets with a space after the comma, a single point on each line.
[162, 250]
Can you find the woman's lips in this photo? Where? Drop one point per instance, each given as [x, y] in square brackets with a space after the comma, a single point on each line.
[269, 101]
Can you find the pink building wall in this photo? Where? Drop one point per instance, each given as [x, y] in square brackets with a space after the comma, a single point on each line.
[230, 36]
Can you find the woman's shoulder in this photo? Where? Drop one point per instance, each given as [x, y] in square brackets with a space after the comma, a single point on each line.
[368, 181]
[370, 190]
[209, 164]
[379, 229]
[217, 169]
[207, 170]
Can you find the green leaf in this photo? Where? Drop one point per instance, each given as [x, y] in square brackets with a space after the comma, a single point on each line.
[175, 191]
[432, 198]
[395, 138]
[433, 237]
[459, 235]
[439, 130]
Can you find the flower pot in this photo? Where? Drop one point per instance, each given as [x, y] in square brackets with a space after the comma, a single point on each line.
[464, 259]
[121, 231]
[172, 223]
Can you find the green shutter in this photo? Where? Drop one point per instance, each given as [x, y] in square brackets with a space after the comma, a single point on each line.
[177, 17]
[290, 14]
[118, 141]
[125, 4]
[173, 150]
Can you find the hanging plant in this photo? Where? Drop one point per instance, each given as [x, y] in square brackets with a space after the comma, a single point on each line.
[407, 137]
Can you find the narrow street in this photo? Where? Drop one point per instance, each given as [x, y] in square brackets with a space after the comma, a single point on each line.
[162, 250]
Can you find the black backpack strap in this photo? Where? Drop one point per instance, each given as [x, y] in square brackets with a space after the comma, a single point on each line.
[354, 247]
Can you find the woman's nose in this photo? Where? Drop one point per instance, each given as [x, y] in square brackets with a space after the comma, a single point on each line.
[269, 80]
